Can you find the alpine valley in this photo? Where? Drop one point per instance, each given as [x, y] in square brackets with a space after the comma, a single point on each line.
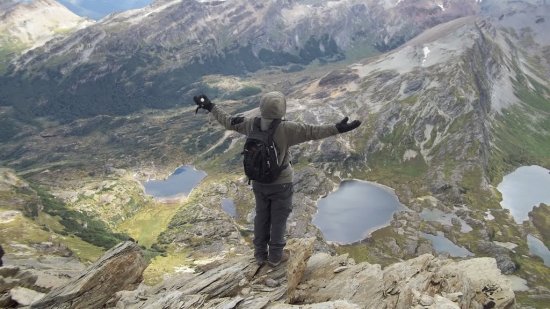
[453, 95]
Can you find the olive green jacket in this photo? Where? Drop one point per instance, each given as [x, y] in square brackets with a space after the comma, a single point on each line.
[287, 134]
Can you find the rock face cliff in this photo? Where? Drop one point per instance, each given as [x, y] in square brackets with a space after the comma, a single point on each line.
[307, 280]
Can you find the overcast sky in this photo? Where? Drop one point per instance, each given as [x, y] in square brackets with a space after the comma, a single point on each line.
[97, 9]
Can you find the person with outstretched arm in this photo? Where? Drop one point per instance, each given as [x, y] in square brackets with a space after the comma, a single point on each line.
[274, 199]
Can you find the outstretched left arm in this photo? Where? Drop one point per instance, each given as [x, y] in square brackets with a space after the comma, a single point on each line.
[227, 121]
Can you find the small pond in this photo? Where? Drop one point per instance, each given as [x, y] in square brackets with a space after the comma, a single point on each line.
[180, 183]
[444, 218]
[537, 247]
[355, 210]
[526, 187]
[442, 244]
[229, 207]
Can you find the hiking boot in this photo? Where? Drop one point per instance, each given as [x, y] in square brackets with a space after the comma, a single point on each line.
[284, 258]
[260, 258]
[260, 261]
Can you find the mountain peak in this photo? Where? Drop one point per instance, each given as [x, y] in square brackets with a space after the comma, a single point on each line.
[29, 24]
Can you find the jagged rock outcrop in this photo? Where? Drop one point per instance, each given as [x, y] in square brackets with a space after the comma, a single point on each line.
[501, 255]
[424, 281]
[325, 281]
[13, 284]
[120, 268]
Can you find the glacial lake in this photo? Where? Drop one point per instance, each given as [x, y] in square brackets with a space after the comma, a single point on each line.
[537, 247]
[442, 244]
[444, 218]
[229, 207]
[179, 184]
[526, 187]
[355, 210]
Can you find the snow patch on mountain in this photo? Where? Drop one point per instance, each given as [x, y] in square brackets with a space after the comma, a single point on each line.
[426, 51]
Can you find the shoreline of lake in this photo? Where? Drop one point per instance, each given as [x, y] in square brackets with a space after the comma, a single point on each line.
[523, 189]
[176, 186]
[348, 222]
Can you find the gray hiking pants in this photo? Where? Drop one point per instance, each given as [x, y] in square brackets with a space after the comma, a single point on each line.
[273, 206]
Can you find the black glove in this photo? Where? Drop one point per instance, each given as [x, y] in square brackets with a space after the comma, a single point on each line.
[344, 126]
[203, 101]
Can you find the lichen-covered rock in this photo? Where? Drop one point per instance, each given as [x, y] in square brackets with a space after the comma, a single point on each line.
[300, 252]
[478, 280]
[501, 255]
[310, 280]
[121, 268]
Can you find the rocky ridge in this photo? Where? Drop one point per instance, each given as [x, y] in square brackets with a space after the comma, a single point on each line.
[307, 280]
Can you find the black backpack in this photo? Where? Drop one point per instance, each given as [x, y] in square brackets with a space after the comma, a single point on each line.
[261, 162]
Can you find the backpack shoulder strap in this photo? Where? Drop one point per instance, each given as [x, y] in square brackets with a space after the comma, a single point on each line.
[257, 126]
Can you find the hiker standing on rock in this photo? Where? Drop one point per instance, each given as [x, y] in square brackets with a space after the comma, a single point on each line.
[272, 183]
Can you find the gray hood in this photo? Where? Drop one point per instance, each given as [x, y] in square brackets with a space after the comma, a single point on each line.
[273, 105]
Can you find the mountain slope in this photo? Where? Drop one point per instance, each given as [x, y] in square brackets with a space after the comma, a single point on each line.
[152, 57]
[27, 25]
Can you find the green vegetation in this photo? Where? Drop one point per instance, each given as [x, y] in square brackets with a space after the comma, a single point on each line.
[28, 232]
[528, 301]
[391, 158]
[459, 123]
[23, 230]
[540, 215]
[360, 51]
[84, 250]
[410, 100]
[166, 263]
[389, 167]
[9, 48]
[475, 196]
[522, 132]
[358, 252]
[532, 268]
[149, 222]
[75, 223]
[363, 252]
[242, 93]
